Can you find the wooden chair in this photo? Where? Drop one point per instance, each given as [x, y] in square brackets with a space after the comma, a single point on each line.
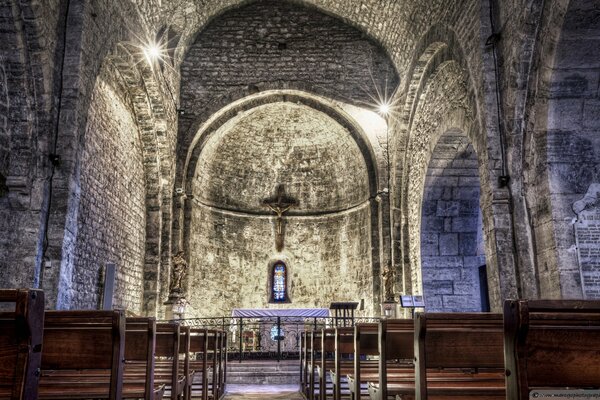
[21, 332]
[551, 344]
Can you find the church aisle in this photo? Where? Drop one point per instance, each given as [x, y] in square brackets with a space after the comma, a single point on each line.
[250, 392]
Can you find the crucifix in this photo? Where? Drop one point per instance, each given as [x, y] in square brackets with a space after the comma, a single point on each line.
[280, 204]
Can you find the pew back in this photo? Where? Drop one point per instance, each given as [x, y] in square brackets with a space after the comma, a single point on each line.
[21, 331]
[85, 340]
[551, 344]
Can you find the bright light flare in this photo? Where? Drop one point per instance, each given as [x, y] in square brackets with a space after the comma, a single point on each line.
[384, 109]
[154, 52]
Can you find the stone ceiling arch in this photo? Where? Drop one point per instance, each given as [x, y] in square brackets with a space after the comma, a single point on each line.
[444, 106]
[158, 146]
[206, 129]
[181, 225]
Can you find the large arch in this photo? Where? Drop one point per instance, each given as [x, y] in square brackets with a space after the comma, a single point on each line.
[26, 115]
[560, 150]
[452, 249]
[324, 106]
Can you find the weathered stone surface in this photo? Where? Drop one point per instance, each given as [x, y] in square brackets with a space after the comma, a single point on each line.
[545, 70]
[451, 283]
[282, 143]
[111, 223]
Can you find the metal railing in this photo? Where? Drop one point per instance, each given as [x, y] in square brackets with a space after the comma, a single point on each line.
[268, 337]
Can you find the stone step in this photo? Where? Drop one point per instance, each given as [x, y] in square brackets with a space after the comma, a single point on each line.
[261, 372]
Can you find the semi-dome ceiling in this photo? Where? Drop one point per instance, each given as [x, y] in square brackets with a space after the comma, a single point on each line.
[314, 157]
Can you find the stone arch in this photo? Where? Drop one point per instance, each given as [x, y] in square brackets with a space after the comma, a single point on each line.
[452, 248]
[25, 126]
[560, 149]
[154, 118]
[255, 101]
[442, 54]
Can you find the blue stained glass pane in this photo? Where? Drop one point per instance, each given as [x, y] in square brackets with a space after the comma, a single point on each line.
[279, 282]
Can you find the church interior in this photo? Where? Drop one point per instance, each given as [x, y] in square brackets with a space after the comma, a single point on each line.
[205, 159]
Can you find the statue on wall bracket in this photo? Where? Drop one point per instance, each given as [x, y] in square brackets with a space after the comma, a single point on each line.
[175, 305]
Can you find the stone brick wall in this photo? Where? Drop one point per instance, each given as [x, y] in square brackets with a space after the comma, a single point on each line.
[451, 228]
[282, 143]
[327, 259]
[111, 223]
[278, 44]
[573, 128]
[232, 238]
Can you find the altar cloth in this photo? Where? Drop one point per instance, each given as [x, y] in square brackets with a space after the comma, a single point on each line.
[280, 312]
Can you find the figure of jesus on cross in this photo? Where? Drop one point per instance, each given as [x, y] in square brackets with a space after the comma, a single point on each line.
[280, 204]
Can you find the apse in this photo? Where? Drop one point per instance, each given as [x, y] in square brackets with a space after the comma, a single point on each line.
[288, 151]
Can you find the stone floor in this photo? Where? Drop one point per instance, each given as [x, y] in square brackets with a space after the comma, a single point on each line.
[250, 392]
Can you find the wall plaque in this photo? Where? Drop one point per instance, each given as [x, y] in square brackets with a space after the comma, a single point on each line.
[587, 236]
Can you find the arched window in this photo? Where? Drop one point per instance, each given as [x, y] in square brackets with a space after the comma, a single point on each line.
[279, 283]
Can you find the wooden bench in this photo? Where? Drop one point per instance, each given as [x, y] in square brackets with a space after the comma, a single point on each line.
[140, 343]
[169, 370]
[551, 345]
[344, 360]
[21, 332]
[199, 362]
[208, 349]
[83, 355]
[449, 363]
[305, 363]
[365, 345]
[396, 355]
[215, 343]
[457, 355]
[326, 362]
[314, 356]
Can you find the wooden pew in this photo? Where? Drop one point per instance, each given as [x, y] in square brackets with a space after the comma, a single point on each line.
[457, 355]
[168, 368]
[344, 362]
[365, 344]
[315, 352]
[214, 343]
[307, 349]
[140, 343]
[78, 344]
[396, 355]
[199, 362]
[551, 344]
[21, 332]
[302, 359]
[223, 361]
[326, 361]
[209, 353]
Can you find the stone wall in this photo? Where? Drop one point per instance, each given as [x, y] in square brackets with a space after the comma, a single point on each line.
[573, 137]
[327, 259]
[111, 223]
[451, 228]
[275, 44]
[232, 233]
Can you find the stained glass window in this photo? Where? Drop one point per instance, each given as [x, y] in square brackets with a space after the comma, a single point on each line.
[279, 282]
